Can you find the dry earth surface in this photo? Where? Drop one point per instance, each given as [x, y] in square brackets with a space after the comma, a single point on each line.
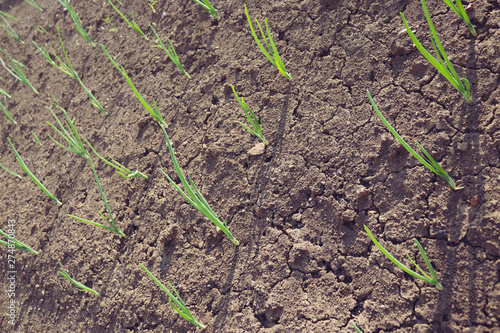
[305, 263]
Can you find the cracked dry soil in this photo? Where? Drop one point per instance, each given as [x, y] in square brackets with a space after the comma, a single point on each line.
[305, 263]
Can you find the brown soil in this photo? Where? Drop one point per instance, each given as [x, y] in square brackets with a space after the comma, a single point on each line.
[305, 263]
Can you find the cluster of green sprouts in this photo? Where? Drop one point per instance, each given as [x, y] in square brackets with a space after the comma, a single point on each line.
[176, 301]
[16, 70]
[432, 280]
[442, 63]
[77, 21]
[208, 7]
[8, 28]
[67, 69]
[252, 119]
[5, 110]
[17, 244]
[79, 285]
[31, 175]
[170, 51]
[426, 160]
[272, 52]
[133, 25]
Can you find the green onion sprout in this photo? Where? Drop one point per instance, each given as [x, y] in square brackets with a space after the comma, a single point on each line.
[8, 28]
[16, 70]
[356, 327]
[252, 119]
[122, 171]
[133, 25]
[272, 52]
[3, 92]
[425, 278]
[442, 63]
[111, 220]
[427, 160]
[176, 301]
[17, 244]
[78, 22]
[10, 172]
[36, 139]
[6, 110]
[68, 69]
[460, 11]
[31, 175]
[170, 51]
[70, 135]
[80, 286]
[33, 4]
[208, 7]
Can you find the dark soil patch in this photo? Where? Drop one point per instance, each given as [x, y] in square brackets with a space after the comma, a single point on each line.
[305, 263]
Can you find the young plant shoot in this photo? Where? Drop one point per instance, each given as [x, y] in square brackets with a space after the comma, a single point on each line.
[252, 119]
[208, 7]
[111, 221]
[133, 25]
[70, 135]
[8, 28]
[16, 70]
[17, 244]
[3, 92]
[272, 53]
[33, 4]
[176, 301]
[442, 63]
[170, 51]
[78, 22]
[10, 172]
[122, 171]
[460, 11]
[425, 278]
[80, 286]
[193, 197]
[426, 160]
[5, 110]
[68, 69]
[31, 175]
[36, 139]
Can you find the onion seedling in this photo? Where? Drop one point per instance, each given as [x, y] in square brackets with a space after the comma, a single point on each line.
[425, 278]
[133, 25]
[10, 172]
[70, 135]
[195, 197]
[122, 171]
[78, 22]
[42, 30]
[33, 4]
[31, 175]
[68, 69]
[208, 7]
[356, 327]
[17, 244]
[36, 139]
[111, 220]
[3, 92]
[8, 28]
[426, 160]
[170, 51]
[273, 55]
[16, 70]
[460, 11]
[111, 59]
[80, 286]
[9, 16]
[442, 63]
[6, 111]
[257, 131]
[176, 301]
